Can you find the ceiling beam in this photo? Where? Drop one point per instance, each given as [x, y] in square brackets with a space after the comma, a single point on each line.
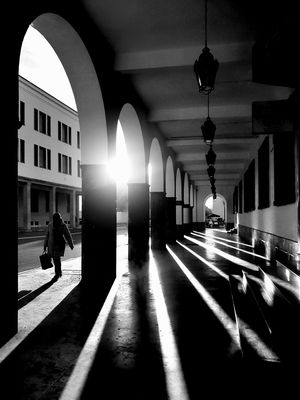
[218, 184]
[229, 111]
[200, 177]
[181, 57]
[218, 141]
[221, 156]
[224, 166]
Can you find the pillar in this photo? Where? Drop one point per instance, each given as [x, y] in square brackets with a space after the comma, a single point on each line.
[98, 232]
[52, 202]
[187, 223]
[158, 239]
[179, 219]
[170, 219]
[138, 223]
[72, 208]
[9, 181]
[27, 206]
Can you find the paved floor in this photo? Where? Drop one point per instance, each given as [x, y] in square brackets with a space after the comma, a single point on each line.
[171, 330]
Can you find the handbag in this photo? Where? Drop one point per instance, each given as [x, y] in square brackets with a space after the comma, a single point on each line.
[45, 260]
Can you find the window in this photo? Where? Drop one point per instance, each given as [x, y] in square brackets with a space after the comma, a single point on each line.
[249, 188]
[284, 168]
[21, 150]
[263, 175]
[78, 169]
[22, 112]
[42, 122]
[64, 164]
[42, 157]
[64, 133]
[78, 140]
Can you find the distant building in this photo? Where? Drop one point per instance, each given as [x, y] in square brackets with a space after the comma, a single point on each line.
[49, 174]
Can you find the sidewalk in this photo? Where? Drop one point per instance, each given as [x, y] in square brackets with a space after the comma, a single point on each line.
[38, 296]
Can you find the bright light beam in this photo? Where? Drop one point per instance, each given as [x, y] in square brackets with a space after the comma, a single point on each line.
[221, 253]
[226, 321]
[252, 338]
[175, 382]
[210, 265]
[232, 247]
[225, 240]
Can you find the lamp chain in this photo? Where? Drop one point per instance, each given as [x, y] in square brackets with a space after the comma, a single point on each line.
[205, 23]
[208, 105]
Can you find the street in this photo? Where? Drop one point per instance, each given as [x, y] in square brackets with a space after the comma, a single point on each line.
[29, 249]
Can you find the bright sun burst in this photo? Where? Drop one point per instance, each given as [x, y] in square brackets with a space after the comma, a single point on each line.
[119, 168]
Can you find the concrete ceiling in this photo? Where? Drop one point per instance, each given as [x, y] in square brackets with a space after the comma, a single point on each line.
[157, 42]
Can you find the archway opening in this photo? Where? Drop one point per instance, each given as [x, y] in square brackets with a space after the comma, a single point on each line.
[51, 149]
[131, 181]
[120, 171]
[49, 153]
[215, 212]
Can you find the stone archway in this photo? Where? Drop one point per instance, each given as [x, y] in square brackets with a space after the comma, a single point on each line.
[157, 195]
[138, 188]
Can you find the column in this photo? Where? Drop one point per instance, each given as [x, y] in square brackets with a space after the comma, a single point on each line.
[98, 233]
[72, 208]
[9, 181]
[170, 219]
[138, 223]
[52, 202]
[158, 237]
[179, 219]
[27, 206]
[187, 218]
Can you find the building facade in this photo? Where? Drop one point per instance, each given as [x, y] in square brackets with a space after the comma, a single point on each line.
[49, 173]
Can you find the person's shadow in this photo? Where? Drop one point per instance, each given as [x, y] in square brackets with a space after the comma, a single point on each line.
[34, 293]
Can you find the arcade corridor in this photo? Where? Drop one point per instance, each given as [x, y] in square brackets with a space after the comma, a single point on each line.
[205, 317]
[185, 315]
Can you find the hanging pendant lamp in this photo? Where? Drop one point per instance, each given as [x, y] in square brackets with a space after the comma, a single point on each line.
[208, 128]
[206, 66]
[210, 156]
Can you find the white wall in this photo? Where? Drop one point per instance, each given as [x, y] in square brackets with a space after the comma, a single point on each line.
[280, 221]
[33, 97]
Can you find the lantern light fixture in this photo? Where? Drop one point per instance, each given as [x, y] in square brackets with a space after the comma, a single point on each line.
[210, 156]
[208, 128]
[206, 66]
[211, 171]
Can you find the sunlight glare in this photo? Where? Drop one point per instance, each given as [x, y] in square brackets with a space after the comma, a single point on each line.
[119, 166]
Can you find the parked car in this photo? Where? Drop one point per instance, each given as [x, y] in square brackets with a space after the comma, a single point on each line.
[212, 222]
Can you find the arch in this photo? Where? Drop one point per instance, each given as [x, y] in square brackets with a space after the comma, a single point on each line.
[218, 196]
[156, 179]
[170, 178]
[133, 136]
[186, 192]
[178, 185]
[79, 67]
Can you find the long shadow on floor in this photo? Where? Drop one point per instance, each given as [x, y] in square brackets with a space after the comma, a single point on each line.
[40, 367]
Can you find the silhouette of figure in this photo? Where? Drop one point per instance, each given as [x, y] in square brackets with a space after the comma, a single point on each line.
[55, 242]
